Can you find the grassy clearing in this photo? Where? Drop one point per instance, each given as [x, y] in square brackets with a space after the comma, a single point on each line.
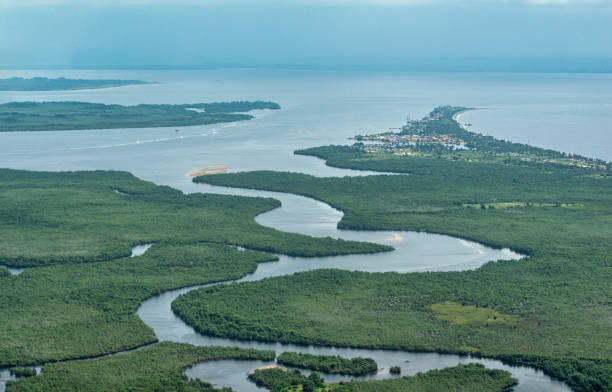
[474, 316]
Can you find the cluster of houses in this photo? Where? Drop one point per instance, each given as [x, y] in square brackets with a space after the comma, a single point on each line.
[398, 138]
[404, 144]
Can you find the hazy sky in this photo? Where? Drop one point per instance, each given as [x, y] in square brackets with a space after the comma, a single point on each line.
[438, 34]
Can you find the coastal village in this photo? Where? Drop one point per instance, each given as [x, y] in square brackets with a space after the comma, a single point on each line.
[411, 136]
[428, 137]
[400, 144]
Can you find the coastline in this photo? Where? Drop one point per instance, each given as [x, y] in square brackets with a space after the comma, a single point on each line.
[457, 118]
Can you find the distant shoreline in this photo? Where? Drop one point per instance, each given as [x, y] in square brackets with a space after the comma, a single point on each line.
[67, 116]
[457, 115]
[63, 84]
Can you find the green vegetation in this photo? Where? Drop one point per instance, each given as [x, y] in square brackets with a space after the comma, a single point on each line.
[471, 315]
[48, 218]
[331, 364]
[464, 378]
[280, 380]
[46, 84]
[555, 304]
[82, 301]
[23, 371]
[158, 368]
[395, 370]
[71, 311]
[56, 116]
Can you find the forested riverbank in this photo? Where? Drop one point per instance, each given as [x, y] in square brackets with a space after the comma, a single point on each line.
[75, 230]
[53, 218]
[465, 378]
[157, 368]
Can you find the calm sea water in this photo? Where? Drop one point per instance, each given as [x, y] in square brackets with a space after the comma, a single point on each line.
[572, 113]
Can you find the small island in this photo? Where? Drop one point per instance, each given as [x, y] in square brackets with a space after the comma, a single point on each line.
[59, 84]
[62, 116]
[332, 364]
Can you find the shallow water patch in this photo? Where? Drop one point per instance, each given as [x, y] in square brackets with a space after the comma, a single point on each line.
[140, 250]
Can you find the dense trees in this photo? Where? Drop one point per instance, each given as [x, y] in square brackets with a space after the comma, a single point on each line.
[81, 310]
[328, 363]
[395, 370]
[158, 368]
[277, 379]
[54, 116]
[49, 218]
[23, 371]
[582, 374]
[81, 299]
[465, 378]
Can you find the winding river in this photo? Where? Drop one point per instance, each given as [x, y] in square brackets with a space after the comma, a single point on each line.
[414, 252]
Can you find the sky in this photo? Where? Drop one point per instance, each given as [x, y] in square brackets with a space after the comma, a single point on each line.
[470, 35]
